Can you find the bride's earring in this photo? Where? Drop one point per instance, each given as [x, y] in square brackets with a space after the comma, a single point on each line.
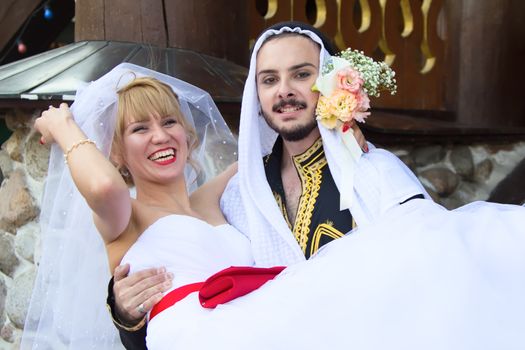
[124, 172]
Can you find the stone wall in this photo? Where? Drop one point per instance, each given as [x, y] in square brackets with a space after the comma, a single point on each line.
[23, 166]
[458, 174]
[453, 175]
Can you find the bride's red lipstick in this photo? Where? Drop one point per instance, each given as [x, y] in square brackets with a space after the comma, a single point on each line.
[164, 156]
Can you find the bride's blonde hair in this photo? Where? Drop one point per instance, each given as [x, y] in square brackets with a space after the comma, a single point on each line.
[142, 99]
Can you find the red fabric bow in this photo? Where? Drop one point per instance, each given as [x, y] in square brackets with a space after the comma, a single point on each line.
[234, 282]
[225, 285]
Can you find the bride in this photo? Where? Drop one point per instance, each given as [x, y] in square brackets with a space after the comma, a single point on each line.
[140, 123]
[449, 281]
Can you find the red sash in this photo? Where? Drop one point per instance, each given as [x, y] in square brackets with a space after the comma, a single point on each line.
[225, 285]
[174, 296]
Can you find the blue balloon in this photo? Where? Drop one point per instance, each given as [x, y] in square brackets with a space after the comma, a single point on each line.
[48, 14]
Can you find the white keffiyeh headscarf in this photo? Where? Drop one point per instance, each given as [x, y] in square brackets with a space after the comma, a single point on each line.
[380, 180]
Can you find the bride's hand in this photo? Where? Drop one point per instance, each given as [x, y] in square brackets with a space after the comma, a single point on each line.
[358, 134]
[52, 121]
[137, 293]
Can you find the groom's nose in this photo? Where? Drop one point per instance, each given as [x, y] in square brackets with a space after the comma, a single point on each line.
[285, 89]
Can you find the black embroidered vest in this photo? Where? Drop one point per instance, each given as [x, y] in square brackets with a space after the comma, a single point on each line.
[318, 220]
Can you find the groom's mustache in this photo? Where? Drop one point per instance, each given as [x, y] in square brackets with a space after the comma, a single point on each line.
[292, 102]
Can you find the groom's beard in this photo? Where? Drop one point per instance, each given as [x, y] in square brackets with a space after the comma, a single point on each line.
[295, 132]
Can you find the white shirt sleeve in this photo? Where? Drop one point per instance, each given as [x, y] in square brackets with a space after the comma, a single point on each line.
[231, 206]
[383, 181]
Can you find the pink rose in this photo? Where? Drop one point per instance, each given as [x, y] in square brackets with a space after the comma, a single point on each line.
[363, 105]
[363, 101]
[361, 116]
[349, 79]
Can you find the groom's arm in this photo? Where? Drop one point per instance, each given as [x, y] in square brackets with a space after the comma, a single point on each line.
[416, 196]
[133, 337]
[381, 182]
[388, 182]
[126, 293]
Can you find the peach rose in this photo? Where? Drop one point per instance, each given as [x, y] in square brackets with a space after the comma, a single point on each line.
[324, 113]
[344, 105]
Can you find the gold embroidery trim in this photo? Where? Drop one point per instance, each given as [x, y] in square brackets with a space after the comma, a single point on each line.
[323, 229]
[308, 153]
[311, 178]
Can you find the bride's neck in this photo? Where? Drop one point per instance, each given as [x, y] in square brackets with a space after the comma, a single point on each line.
[172, 197]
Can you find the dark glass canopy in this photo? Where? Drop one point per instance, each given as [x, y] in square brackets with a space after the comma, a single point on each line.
[56, 74]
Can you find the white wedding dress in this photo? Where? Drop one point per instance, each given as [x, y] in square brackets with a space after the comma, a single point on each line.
[420, 278]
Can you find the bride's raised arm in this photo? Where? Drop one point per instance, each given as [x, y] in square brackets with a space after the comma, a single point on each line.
[96, 178]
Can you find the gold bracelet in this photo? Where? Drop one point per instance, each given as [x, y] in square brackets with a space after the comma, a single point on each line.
[75, 145]
[121, 325]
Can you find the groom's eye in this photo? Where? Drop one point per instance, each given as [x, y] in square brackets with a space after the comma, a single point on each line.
[268, 80]
[303, 75]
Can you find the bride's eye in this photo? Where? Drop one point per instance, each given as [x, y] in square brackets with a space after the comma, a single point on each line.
[170, 122]
[138, 128]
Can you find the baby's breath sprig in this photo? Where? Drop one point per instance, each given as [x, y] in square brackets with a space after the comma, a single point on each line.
[345, 84]
[377, 76]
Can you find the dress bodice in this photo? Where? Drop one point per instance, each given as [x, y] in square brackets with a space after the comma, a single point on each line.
[188, 247]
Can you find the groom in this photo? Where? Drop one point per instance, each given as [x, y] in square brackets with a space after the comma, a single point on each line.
[286, 195]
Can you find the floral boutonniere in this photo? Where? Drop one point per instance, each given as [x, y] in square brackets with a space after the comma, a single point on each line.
[345, 83]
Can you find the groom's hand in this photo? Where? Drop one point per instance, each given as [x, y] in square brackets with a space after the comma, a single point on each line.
[137, 293]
